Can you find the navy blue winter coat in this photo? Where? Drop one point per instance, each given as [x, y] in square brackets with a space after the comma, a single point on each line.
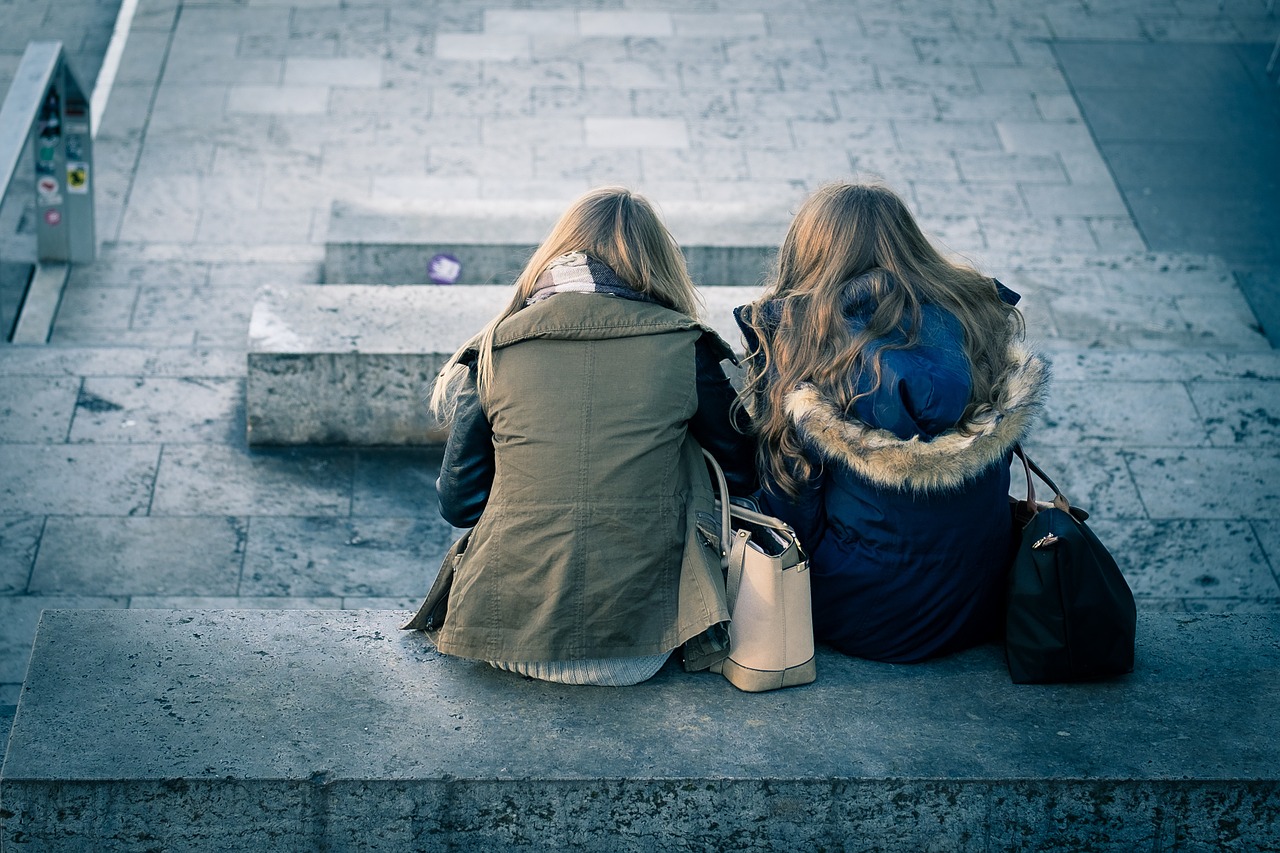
[906, 520]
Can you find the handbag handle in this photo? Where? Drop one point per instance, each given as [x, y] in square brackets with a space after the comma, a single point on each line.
[730, 511]
[1028, 466]
[726, 520]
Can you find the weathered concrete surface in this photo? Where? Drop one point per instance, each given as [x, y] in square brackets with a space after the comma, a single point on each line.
[253, 730]
[391, 242]
[353, 364]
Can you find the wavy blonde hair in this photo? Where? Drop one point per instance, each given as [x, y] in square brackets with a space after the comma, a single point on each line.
[857, 243]
[615, 226]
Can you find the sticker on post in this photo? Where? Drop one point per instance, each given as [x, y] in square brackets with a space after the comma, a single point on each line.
[53, 216]
[444, 269]
[78, 178]
[47, 189]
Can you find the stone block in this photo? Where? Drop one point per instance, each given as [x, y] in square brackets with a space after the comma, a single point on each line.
[76, 479]
[391, 242]
[245, 730]
[354, 364]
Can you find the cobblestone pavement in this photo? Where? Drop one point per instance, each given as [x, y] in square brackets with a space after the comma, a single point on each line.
[231, 127]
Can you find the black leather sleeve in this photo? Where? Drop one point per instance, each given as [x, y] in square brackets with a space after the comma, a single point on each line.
[466, 474]
[713, 425]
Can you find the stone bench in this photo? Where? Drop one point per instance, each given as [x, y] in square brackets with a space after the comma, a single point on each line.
[353, 364]
[392, 242]
[334, 730]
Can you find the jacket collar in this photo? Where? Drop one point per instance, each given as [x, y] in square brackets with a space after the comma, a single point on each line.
[945, 462]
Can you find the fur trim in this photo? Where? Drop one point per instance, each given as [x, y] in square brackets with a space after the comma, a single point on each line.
[945, 462]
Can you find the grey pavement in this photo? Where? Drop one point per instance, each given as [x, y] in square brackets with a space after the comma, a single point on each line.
[233, 127]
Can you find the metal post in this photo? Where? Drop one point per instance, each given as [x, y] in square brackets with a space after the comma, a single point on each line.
[63, 147]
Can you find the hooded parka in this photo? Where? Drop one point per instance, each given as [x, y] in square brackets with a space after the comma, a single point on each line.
[907, 520]
[582, 473]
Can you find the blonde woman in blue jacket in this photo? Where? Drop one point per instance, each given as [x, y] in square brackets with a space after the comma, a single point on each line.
[888, 387]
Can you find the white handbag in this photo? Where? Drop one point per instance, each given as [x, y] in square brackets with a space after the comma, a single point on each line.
[767, 589]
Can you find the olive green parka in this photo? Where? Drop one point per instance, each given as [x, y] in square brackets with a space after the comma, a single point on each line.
[588, 545]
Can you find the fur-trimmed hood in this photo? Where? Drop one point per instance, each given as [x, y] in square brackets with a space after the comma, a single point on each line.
[945, 462]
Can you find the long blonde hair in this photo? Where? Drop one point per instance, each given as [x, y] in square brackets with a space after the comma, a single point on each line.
[615, 226]
[857, 244]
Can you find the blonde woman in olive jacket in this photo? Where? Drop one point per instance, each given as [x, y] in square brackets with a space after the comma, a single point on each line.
[577, 420]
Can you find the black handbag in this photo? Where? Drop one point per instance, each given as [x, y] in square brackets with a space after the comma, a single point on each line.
[1070, 614]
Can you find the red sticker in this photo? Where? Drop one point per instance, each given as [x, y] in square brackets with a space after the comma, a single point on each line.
[53, 216]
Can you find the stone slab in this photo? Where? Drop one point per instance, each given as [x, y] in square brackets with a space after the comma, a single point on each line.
[249, 730]
[353, 364]
[391, 242]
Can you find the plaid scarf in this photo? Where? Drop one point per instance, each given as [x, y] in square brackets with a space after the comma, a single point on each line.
[575, 272]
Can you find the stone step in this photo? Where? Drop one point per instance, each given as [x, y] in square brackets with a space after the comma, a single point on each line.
[392, 242]
[353, 364]
[323, 730]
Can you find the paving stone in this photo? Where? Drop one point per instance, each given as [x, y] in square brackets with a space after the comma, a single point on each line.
[526, 21]
[1037, 234]
[1075, 200]
[594, 165]
[1208, 483]
[221, 480]
[1012, 105]
[570, 101]
[350, 73]
[482, 46]
[1239, 414]
[487, 98]
[140, 556]
[938, 135]
[1190, 560]
[19, 539]
[1095, 478]
[816, 166]
[159, 410]
[754, 132]
[278, 100]
[816, 105]
[1044, 137]
[713, 74]
[952, 50]
[187, 68]
[897, 168]
[672, 164]
[1085, 413]
[192, 308]
[396, 483]
[625, 23]
[453, 161]
[691, 105]
[629, 74]
[919, 79]
[37, 409]
[719, 24]
[74, 479]
[636, 132]
[1116, 233]
[1060, 107]
[545, 73]
[19, 616]
[852, 135]
[305, 557]
[979, 199]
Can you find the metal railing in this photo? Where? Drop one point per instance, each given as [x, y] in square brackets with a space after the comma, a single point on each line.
[47, 113]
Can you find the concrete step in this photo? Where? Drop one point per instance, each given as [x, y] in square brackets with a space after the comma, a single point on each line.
[323, 730]
[391, 241]
[353, 364]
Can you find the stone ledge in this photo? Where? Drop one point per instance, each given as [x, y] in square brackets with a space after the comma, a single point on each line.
[353, 364]
[306, 730]
[391, 242]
